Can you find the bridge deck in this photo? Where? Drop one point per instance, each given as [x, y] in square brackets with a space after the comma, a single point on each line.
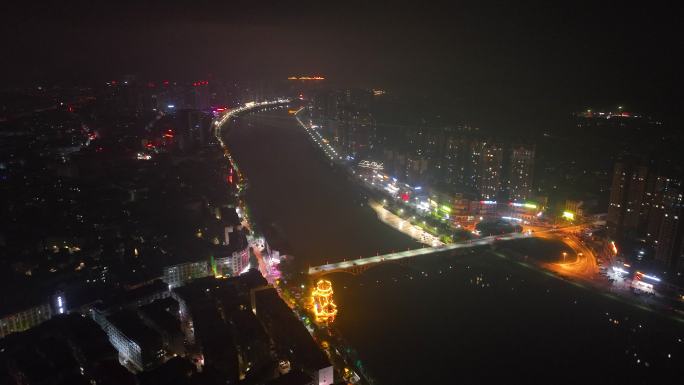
[409, 254]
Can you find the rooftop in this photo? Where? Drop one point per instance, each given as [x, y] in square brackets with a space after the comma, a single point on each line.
[294, 377]
[287, 331]
[130, 325]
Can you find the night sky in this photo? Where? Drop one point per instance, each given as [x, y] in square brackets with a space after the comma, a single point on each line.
[503, 56]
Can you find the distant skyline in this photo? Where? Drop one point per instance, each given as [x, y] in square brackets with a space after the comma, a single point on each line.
[493, 56]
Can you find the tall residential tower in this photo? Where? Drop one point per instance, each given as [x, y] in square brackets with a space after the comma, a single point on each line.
[521, 172]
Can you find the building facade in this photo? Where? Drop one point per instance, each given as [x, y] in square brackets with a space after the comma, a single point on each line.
[25, 319]
[233, 264]
[137, 344]
[521, 173]
[177, 275]
[625, 208]
[489, 169]
[669, 242]
[19, 321]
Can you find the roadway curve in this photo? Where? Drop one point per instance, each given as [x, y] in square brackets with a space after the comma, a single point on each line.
[583, 266]
[218, 126]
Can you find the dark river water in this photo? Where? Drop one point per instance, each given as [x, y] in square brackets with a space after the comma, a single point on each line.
[476, 316]
[305, 207]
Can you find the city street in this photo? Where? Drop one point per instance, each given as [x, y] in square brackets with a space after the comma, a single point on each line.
[582, 264]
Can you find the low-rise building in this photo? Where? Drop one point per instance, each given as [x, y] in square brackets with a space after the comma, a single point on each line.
[179, 274]
[162, 316]
[14, 319]
[24, 319]
[139, 346]
[293, 342]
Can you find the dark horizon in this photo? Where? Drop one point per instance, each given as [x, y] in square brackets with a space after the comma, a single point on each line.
[501, 57]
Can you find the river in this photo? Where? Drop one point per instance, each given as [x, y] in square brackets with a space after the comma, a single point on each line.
[474, 316]
[305, 207]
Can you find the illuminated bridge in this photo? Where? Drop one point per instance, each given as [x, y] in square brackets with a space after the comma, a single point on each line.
[360, 265]
[247, 107]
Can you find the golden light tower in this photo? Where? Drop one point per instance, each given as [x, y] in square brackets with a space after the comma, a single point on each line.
[324, 308]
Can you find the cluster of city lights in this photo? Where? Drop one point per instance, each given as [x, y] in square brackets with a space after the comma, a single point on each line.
[526, 205]
[248, 106]
[371, 173]
[638, 280]
[371, 165]
[390, 184]
[319, 139]
[306, 78]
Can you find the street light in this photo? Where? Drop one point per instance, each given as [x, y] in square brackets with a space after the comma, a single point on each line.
[564, 255]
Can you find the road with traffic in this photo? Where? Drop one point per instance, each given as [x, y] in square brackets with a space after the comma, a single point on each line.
[264, 264]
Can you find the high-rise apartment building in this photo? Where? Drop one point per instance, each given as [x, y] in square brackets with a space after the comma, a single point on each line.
[521, 173]
[669, 243]
[655, 205]
[487, 160]
[454, 161]
[627, 192]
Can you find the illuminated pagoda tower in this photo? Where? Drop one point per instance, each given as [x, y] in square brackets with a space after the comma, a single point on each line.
[324, 308]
